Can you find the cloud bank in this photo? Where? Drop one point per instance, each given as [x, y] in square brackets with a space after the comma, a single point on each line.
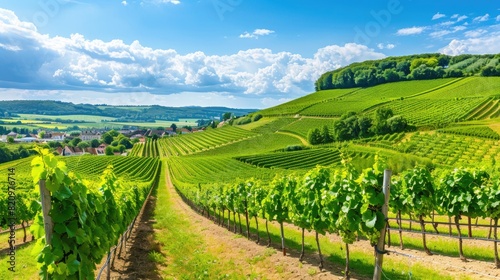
[479, 42]
[31, 60]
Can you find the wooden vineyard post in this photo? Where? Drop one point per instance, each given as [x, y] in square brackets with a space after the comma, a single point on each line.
[380, 247]
[46, 204]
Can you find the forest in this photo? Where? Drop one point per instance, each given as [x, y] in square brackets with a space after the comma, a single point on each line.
[406, 68]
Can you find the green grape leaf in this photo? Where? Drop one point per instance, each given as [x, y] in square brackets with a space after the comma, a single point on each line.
[369, 218]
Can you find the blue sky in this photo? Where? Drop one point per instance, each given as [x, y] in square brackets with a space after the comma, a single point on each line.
[235, 53]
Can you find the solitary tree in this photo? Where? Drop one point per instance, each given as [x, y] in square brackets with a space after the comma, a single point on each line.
[226, 116]
[107, 138]
[109, 151]
[174, 127]
[94, 143]
[83, 145]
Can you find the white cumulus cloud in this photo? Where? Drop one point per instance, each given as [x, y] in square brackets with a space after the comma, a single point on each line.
[477, 44]
[475, 33]
[459, 17]
[124, 3]
[438, 34]
[482, 18]
[410, 31]
[256, 33]
[160, 2]
[438, 16]
[387, 46]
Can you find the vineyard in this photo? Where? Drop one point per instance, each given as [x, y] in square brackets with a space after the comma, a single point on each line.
[147, 149]
[475, 131]
[348, 203]
[91, 212]
[367, 98]
[261, 180]
[294, 160]
[202, 141]
[435, 111]
[489, 109]
[302, 126]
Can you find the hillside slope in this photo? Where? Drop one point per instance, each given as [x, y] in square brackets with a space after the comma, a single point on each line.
[427, 102]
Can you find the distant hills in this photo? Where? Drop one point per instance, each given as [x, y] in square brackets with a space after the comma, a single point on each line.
[407, 68]
[123, 113]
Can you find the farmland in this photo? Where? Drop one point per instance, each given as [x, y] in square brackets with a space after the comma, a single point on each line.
[242, 177]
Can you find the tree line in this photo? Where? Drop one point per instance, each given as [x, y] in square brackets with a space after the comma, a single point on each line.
[413, 67]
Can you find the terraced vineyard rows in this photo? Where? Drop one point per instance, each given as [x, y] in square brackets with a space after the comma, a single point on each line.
[482, 87]
[368, 97]
[274, 126]
[490, 109]
[133, 168]
[420, 111]
[137, 150]
[296, 106]
[193, 170]
[201, 141]
[476, 131]
[302, 126]
[387, 141]
[304, 159]
[151, 148]
[452, 149]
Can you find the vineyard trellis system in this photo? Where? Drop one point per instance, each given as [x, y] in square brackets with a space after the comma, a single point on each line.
[346, 202]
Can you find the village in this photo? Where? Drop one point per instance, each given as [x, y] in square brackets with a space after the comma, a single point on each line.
[97, 142]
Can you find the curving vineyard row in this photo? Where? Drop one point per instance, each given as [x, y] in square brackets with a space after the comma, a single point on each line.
[475, 131]
[303, 159]
[201, 141]
[451, 149]
[489, 109]
[434, 111]
[193, 170]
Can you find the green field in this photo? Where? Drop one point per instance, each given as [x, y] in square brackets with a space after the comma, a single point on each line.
[51, 122]
[82, 118]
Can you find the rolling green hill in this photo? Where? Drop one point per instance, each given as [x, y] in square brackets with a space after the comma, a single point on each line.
[438, 110]
[453, 123]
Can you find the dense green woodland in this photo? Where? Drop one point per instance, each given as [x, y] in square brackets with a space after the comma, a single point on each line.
[122, 113]
[405, 68]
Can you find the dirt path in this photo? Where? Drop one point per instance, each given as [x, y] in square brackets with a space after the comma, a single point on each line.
[304, 141]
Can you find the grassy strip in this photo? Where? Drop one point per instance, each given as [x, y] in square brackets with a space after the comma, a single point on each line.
[26, 265]
[187, 256]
